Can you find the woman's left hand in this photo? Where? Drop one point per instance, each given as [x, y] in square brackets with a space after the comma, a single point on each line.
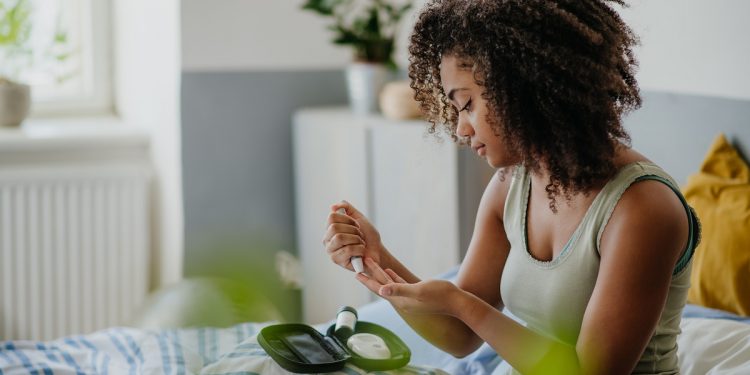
[424, 297]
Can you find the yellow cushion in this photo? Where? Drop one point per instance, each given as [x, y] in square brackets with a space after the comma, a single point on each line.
[720, 195]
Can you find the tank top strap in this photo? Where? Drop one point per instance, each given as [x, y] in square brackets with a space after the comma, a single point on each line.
[514, 212]
[625, 177]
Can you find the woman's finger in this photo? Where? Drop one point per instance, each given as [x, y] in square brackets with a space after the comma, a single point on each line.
[335, 217]
[334, 229]
[399, 290]
[343, 255]
[348, 207]
[369, 282]
[343, 239]
[394, 276]
[376, 272]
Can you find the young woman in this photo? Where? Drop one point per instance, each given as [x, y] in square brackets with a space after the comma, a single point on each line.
[580, 236]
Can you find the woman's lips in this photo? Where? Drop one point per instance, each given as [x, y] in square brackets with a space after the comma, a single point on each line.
[480, 150]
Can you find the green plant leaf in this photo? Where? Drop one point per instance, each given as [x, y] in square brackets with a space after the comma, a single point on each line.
[322, 7]
[61, 37]
[369, 29]
[318, 6]
[16, 26]
[372, 27]
[63, 56]
[346, 37]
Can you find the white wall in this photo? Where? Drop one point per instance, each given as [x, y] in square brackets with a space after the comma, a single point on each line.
[693, 46]
[148, 72]
[688, 46]
[256, 35]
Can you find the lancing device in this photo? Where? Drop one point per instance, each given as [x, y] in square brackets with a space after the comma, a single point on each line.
[356, 261]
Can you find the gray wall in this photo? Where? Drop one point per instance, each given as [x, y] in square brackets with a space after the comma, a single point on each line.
[237, 171]
[675, 130]
[236, 152]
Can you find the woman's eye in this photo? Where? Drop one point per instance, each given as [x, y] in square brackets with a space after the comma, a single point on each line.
[466, 107]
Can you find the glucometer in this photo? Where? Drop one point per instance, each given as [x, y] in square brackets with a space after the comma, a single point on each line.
[302, 349]
[356, 261]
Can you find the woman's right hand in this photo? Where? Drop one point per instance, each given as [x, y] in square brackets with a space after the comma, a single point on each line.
[350, 235]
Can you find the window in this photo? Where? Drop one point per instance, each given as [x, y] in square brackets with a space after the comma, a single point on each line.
[66, 57]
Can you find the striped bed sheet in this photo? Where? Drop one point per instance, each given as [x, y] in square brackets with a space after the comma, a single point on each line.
[209, 351]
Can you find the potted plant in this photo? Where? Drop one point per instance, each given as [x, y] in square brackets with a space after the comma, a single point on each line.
[15, 30]
[369, 27]
[27, 55]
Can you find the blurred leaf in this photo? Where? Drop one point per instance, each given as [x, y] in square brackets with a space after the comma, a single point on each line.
[372, 27]
[367, 29]
[323, 7]
[346, 37]
[61, 37]
[62, 56]
[15, 25]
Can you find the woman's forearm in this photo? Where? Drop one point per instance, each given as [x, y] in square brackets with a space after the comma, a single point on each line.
[447, 333]
[527, 351]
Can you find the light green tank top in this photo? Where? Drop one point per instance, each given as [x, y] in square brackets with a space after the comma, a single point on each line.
[551, 297]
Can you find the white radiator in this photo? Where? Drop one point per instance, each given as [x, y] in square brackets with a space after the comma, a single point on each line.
[74, 245]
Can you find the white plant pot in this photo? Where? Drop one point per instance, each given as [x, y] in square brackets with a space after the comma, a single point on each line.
[364, 82]
[15, 101]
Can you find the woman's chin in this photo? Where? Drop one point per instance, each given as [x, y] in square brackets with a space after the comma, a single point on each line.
[498, 163]
[494, 163]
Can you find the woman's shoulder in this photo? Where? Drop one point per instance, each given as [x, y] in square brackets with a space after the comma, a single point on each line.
[636, 175]
[496, 192]
[650, 208]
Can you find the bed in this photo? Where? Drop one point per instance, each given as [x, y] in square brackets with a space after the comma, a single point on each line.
[227, 351]
[713, 341]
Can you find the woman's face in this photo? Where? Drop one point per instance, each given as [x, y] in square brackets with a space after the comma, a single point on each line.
[466, 96]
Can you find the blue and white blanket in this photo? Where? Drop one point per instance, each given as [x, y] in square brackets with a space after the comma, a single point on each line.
[712, 342]
[229, 351]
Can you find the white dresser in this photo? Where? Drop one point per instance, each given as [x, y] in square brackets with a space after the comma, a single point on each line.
[420, 192]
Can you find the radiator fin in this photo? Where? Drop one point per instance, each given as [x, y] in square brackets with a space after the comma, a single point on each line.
[73, 252]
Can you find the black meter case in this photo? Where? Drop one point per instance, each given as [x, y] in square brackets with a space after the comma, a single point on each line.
[302, 349]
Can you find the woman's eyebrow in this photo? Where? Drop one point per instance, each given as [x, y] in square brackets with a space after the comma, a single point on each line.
[453, 92]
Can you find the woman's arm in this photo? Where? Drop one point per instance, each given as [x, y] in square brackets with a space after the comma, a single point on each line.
[479, 275]
[639, 249]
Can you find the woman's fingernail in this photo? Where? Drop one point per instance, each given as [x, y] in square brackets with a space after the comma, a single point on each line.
[385, 291]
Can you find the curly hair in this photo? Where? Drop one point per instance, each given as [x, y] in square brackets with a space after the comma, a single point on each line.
[557, 75]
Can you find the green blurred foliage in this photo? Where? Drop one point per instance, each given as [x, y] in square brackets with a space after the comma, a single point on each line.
[249, 260]
[17, 52]
[369, 27]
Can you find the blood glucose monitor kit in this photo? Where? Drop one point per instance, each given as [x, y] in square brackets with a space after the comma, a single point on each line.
[302, 349]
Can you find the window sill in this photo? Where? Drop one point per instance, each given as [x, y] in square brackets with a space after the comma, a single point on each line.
[73, 139]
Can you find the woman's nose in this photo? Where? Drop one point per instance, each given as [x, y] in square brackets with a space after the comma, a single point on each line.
[463, 127]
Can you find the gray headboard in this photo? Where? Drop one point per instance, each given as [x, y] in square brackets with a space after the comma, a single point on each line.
[675, 130]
